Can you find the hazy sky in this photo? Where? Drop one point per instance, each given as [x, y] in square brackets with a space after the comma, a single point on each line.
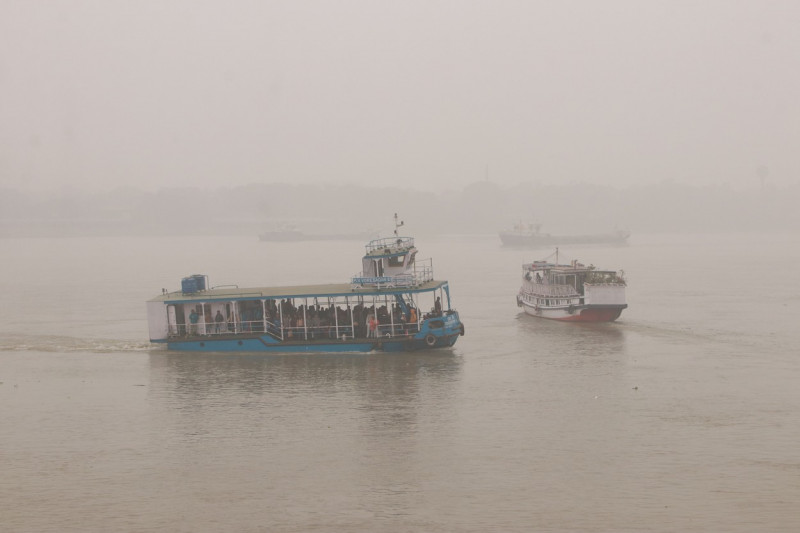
[105, 93]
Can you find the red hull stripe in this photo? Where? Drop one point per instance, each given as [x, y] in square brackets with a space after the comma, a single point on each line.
[594, 315]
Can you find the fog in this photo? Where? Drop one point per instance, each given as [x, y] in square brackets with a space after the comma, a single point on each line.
[622, 113]
[479, 208]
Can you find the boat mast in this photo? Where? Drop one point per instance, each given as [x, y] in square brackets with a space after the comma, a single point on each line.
[396, 225]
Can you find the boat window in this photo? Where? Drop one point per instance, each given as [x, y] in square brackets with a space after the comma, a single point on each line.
[396, 260]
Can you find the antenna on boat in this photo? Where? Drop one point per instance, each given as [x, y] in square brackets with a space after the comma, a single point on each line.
[396, 225]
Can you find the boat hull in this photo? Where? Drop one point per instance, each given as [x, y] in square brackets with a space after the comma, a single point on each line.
[585, 313]
[440, 331]
[264, 343]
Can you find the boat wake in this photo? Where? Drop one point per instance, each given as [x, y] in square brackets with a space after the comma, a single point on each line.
[65, 344]
[689, 334]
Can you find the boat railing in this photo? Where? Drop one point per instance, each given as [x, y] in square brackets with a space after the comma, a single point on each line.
[423, 270]
[617, 283]
[422, 273]
[289, 333]
[389, 244]
[543, 289]
[224, 328]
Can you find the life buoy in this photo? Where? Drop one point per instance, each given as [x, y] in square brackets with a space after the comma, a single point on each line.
[430, 339]
[461, 330]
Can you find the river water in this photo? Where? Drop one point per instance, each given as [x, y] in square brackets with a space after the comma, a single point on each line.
[681, 416]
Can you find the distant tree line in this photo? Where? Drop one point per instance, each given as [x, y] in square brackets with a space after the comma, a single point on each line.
[481, 207]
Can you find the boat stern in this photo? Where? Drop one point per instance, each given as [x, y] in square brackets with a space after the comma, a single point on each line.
[441, 330]
[157, 321]
[604, 294]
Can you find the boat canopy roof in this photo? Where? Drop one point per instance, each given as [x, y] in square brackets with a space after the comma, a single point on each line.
[563, 269]
[228, 293]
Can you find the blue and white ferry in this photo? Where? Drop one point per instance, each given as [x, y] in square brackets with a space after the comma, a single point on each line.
[393, 304]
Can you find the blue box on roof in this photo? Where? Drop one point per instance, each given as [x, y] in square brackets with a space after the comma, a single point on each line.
[189, 285]
[201, 282]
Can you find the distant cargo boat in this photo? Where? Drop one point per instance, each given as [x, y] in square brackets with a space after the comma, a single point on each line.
[530, 235]
[292, 234]
[380, 309]
[572, 292]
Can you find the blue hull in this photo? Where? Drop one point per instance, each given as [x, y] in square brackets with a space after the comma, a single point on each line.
[268, 344]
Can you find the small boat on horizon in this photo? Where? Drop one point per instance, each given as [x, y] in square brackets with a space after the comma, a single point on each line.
[573, 292]
[381, 309]
[528, 235]
[290, 233]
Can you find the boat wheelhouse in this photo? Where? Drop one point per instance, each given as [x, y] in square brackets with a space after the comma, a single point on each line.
[572, 292]
[380, 309]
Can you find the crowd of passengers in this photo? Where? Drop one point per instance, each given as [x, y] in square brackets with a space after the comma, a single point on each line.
[322, 321]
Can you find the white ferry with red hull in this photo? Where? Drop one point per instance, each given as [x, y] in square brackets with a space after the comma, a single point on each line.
[572, 293]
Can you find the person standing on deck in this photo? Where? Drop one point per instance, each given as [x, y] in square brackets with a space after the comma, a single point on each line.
[219, 319]
[193, 318]
[403, 324]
